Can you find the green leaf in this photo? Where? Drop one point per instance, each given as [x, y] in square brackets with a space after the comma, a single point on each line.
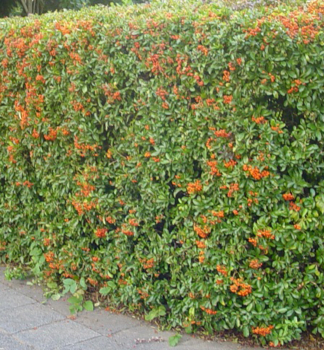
[68, 282]
[88, 305]
[52, 285]
[282, 310]
[246, 331]
[320, 203]
[83, 283]
[56, 296]
[74, 300]
[105, 290]
[70, 286]
[111, 284]
[160, 311]
[174, 340]
[73, 309]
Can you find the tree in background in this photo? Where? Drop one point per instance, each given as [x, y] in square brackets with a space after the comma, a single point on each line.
[26, 7]
[66, 4]
[7, 7]
[33, 6]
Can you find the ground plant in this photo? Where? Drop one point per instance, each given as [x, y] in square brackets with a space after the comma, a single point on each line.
[170, 157]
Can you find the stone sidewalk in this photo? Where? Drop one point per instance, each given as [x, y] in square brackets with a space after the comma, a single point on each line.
[29, 321]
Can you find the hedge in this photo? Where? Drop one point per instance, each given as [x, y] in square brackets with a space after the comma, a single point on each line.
[171, 156]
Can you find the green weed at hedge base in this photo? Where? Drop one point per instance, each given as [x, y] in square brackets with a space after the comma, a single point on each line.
[170, 156]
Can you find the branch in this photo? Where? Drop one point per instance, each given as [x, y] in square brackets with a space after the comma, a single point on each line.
[24, 5]
[30, 6]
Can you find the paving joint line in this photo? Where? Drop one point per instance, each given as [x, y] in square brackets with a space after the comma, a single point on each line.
[101, 334]
[46, 324]
[21, 342]
[16, 307]
[97, 337]
[12, 336]
[14, 288]
[121, 330]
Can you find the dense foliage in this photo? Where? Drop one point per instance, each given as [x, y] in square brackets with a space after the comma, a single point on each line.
[170, 155]
[24, 7]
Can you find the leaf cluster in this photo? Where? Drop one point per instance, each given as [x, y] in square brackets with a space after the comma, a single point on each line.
[170, 157]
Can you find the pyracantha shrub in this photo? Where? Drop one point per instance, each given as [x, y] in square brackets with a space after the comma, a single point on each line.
[171, 153]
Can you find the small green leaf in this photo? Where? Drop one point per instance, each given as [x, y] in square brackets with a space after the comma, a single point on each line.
[74, 300]
[70, 285]
[246, 331]
[282, 310]
[104, 290]
[88, 305]
[36, 252]
[52, 285]
[73, 309]
[174, 340]
[151, 316]
[111, 284]
[56, 297]
[68, 282]
[83, 283]
[160, 311]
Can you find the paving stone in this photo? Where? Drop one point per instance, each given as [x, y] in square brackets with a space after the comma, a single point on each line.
[35, 292]
[100, 343]
[3, 286]
[26, 317]
[105, 322]
[9, 299]
[61, 306]
[141, 337]
[8, 342]
[56, 335]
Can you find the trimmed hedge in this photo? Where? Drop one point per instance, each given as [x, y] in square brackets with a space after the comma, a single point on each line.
[170, 155]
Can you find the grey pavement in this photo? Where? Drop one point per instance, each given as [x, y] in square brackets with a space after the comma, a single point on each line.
[28, 321]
